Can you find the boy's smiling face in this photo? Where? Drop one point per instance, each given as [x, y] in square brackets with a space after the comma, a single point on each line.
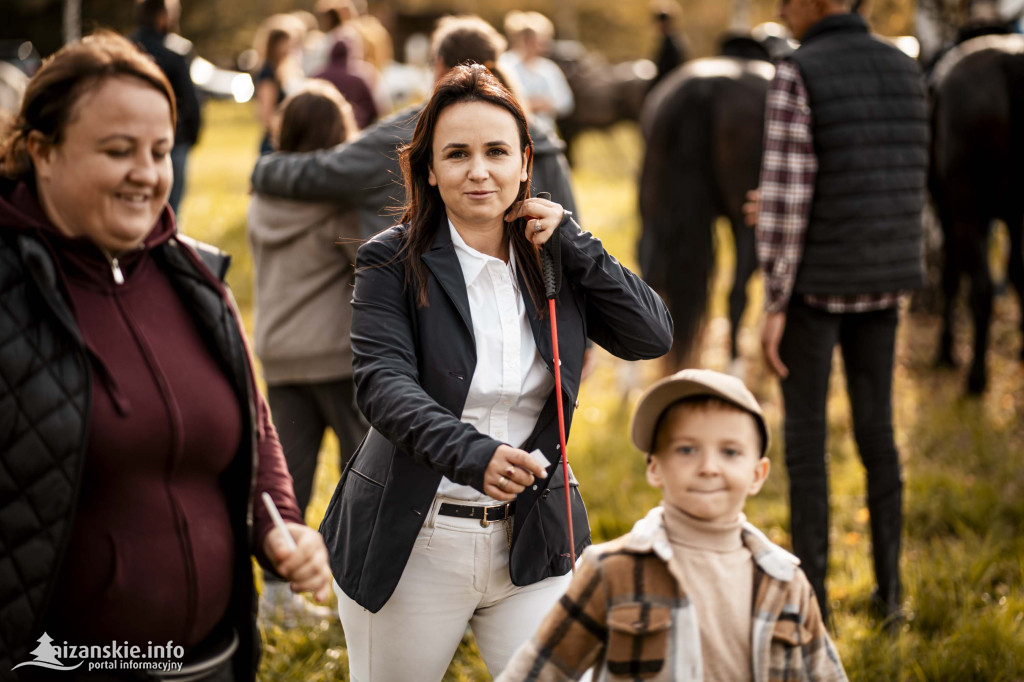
[707, 460]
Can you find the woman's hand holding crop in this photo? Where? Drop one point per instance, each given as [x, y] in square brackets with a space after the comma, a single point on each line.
[542, 216]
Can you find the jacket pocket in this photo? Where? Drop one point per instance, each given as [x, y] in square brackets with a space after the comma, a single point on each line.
[790, 632]
[373, 457]
[638, 639]
[786, 651]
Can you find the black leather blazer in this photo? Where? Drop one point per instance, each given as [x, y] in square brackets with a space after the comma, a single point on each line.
[412, 368]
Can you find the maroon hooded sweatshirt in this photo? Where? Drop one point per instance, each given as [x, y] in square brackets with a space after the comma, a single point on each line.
[151, 554]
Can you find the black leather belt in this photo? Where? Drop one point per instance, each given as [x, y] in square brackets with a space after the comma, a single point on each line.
[487, 515]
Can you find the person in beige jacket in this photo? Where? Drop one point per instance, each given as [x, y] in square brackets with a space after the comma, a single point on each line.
[694, 593]
[303, 270]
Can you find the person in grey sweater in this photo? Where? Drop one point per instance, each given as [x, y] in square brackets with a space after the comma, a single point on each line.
[364, 174]
[303, 255]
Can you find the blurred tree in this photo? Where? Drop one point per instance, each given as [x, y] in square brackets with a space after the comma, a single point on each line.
[221, 29]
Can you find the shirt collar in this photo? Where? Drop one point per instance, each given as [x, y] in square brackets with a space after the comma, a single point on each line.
[473, 261]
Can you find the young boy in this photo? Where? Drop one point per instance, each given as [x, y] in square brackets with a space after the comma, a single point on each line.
[693, 592]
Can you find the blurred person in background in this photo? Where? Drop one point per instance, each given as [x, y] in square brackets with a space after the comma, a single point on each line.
[672, 47]
[303, 256]
[310, 43]
[839, 239]
[365, 173]
[279, 71]
[158, 22]
[369, 45]
[442, 518]
[544, 87]
[351, 86]
[411, 81]
[135, 442]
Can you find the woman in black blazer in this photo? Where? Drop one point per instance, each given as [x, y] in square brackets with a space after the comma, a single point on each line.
[442, 518]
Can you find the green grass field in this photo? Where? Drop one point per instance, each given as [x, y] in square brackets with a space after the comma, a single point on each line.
[963, 562]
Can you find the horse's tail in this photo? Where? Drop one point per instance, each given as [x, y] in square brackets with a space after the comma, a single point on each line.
[676, 248]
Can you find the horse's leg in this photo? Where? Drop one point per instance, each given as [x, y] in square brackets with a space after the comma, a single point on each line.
[976, 252]
[746, 264]
[952, 267]
[1015, 269]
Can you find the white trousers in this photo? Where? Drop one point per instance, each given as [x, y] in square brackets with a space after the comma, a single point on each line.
[457, 575]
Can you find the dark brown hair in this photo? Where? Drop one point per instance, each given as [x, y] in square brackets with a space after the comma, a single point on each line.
[316, 117]
[65, 76]
[466, 39]
[424, 209]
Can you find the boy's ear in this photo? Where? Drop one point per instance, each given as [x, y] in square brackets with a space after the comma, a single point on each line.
[761, 469]
[653, 473]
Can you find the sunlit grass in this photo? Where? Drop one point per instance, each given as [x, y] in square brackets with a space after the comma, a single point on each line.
[963, 562]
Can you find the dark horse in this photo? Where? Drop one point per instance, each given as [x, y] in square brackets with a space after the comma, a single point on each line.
[604, 93]
[703, 126]
[977, 176]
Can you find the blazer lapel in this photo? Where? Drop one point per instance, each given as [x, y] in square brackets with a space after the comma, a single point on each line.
[444, 265]
[541, 327]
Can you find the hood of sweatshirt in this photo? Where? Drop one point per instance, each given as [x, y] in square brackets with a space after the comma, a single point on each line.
[80, 256]
[274, 221]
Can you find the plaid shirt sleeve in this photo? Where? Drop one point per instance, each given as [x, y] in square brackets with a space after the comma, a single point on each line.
[788, 170]
[571, 638]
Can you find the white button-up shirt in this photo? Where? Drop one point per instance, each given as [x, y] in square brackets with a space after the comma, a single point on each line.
[511, 382]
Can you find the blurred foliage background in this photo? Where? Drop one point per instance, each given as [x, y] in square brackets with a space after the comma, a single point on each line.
[221, 29]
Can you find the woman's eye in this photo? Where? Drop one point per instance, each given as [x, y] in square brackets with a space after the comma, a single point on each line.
[498, 152]
[160, 154]
[456, 155]
[119, 153]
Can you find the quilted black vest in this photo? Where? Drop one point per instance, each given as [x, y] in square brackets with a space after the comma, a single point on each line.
[44, 413]
[870, 131]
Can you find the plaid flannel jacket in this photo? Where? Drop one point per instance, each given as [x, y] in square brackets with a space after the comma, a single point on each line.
[789, 167]
[627, 613]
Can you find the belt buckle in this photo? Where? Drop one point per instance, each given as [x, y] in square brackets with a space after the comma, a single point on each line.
[485, 522]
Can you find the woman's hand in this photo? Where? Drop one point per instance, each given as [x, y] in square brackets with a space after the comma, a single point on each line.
[306, 566]
[509, 472]
[543, 217]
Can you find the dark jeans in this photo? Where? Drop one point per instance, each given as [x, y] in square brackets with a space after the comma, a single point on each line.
[301, 412]
[867, 342]
[179, 164]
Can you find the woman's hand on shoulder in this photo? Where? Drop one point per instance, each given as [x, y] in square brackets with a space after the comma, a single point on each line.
[306, 567]
[543, 217]
[509, 472]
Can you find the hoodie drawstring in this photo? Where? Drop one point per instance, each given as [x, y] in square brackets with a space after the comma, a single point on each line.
[108, 381]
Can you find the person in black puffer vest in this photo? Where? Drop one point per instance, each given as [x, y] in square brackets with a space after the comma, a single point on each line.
[134, 442]
[840, 243]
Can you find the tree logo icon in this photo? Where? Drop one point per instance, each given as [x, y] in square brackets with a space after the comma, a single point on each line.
[46, 656]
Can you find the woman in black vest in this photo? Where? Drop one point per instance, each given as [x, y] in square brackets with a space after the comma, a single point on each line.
[135, 443]
[442, 518]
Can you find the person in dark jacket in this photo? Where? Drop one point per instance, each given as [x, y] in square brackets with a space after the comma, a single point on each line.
[158, 21]
[442, 517]
[840, 242]
[350, 85]
[135, 443]
[364, 174]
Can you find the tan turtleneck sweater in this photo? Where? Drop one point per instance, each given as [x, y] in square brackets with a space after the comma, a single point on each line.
[718, 577]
